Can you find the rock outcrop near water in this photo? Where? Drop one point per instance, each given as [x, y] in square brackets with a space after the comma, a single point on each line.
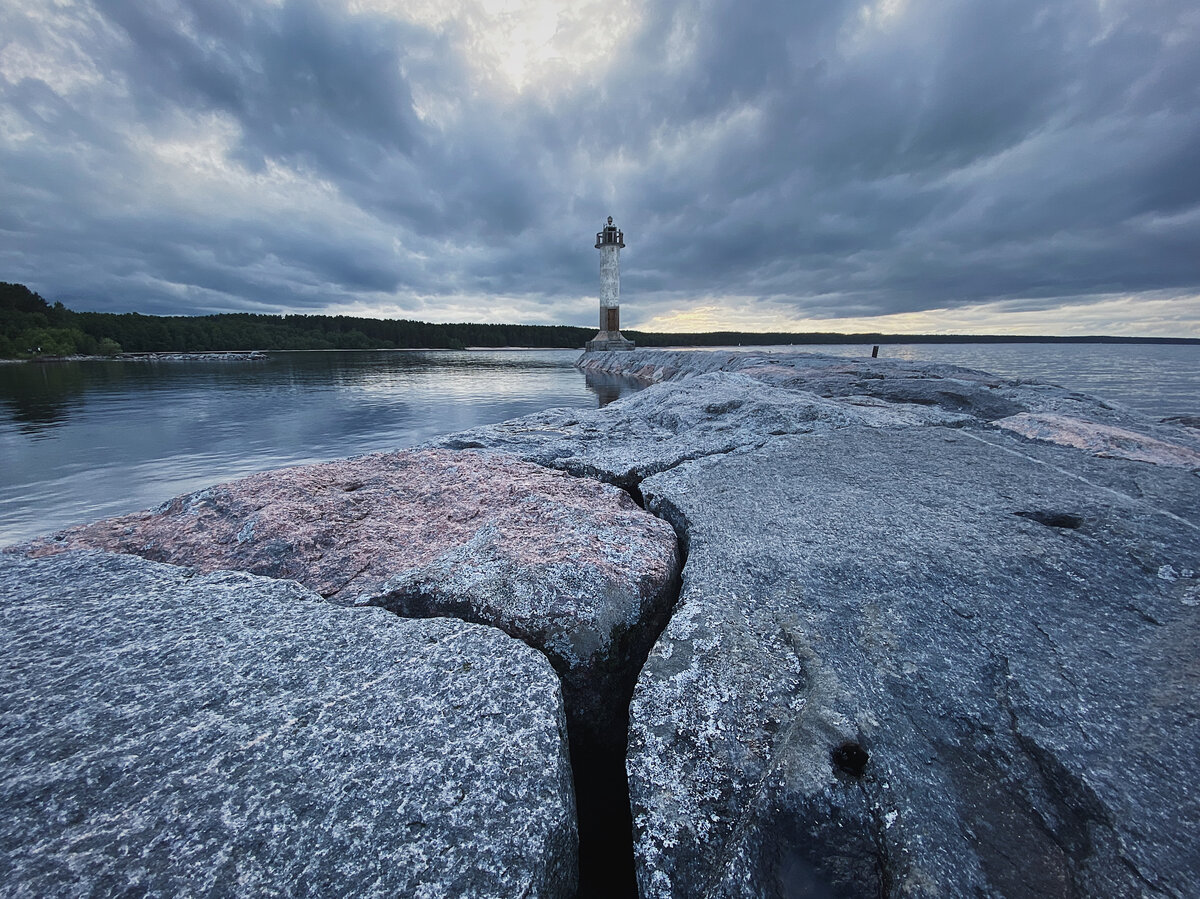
[915, 653]
[174, 734]
[935, 635]
[572, 567]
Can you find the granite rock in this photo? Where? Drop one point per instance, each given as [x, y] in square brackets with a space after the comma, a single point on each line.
[978, 395]
[935, 634]
[949, 387]
[668, 424]
[1101, 439]
[917, 651]
[712, 403]
[923, 662]
[175, 734]
[571, 566]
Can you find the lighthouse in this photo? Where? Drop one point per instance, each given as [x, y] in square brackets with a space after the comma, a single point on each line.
[609, 242]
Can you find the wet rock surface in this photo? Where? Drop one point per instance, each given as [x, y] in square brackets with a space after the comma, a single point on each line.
[171, 733]
[917, 651]
[573, 567]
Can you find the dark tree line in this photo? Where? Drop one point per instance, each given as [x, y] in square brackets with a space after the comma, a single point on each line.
[30, 327]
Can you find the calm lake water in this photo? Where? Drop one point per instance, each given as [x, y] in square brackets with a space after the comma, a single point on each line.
[84, 440]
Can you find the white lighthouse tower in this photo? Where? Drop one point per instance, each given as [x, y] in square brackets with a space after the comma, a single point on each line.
[609, 242]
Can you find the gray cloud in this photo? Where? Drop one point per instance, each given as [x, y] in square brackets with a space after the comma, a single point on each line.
[814, 159]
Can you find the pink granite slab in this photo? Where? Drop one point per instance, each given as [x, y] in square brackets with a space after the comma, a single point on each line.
[1100, 439]
[571, 565]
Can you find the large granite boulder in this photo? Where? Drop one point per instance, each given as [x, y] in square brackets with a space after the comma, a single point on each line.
[923, 662]
[174, 734]
[573, 567]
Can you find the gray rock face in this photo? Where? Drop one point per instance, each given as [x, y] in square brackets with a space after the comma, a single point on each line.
[936, 634]
[926, 662]
[666, 425]
[916, 652]
[979, 395]
[173, 734]
[572, 567]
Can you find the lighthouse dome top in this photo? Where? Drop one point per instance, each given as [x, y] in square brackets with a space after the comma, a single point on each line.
[611, 236]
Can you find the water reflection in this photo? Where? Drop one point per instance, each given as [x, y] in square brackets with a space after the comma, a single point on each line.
[40, 396]
[608, 388]
[82, 440]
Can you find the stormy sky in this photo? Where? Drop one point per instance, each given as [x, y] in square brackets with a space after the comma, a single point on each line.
[901, 165]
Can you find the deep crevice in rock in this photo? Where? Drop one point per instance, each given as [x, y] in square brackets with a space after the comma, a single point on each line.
[635, 493]
[597, 725]
[605, 819]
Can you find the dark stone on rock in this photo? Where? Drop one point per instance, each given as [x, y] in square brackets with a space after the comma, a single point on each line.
[1188, 421]
[173, 734]
[573, 567]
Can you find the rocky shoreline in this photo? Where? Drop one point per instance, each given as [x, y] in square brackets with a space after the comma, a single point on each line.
[838, 626]
[210, 356]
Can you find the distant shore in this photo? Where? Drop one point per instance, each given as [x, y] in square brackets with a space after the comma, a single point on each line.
[808, 341]
[216, 355]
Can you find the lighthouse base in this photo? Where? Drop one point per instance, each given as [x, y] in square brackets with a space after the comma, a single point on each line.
[608, 340]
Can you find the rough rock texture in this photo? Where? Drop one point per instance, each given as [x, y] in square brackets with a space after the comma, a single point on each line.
[174, 734]
[1004, 633]
[1103, 440]
[573, 567]
[659, 428]
[984, 397]
[915, 653]
[722, 402]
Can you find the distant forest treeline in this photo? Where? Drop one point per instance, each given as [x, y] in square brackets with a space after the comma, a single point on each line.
[31, 328]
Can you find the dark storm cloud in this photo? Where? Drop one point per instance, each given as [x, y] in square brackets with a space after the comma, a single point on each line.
[302, 82]
[825, 158]
[980, 151]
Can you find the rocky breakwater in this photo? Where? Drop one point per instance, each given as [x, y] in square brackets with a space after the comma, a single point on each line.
[936, 634]
[574, 568]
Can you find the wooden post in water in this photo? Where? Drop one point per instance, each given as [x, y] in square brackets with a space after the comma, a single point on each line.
[875, 352]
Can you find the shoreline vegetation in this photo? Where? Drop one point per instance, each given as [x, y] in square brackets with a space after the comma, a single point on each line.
[33, 329]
